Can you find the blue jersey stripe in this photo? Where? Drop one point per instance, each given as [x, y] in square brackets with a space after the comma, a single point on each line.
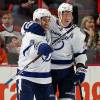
[77, 54]
[61, 61]
[35, 74]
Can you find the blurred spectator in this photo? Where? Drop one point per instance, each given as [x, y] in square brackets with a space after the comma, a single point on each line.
[27, 7]
[98, 30]
[11, 5]
[7, 28]
[27, 3]
[88, 25]
[14, 45]
[53, 3]
[3, 55]
[21, 7]
[97, 57]
[7, 31]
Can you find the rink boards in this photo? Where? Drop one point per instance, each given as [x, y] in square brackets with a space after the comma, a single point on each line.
[90, 88]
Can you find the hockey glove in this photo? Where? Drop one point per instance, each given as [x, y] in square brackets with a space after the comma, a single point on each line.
[44, 49]
[80, 73]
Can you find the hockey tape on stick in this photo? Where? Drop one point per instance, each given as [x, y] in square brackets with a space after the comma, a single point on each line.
[54, 42]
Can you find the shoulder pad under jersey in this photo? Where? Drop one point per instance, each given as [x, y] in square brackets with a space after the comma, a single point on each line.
[34, 28]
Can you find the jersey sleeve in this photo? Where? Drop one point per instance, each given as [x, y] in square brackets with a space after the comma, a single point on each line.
[25, 27]
[79, 48]
[33, 37]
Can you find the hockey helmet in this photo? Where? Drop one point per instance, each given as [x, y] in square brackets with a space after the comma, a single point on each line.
[40, 12]
[65, 7]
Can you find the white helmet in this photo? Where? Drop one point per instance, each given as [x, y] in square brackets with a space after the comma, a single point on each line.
[40, 12]
[65, 7]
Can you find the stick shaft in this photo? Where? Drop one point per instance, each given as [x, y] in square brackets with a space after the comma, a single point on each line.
[13, 77]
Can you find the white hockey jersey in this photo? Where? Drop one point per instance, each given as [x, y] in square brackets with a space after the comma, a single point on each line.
[71, 48]
[39, 71]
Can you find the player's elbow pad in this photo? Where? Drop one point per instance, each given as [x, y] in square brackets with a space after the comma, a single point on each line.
[44, 49]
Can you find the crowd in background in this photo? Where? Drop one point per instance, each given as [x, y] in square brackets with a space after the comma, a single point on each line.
[13, 13]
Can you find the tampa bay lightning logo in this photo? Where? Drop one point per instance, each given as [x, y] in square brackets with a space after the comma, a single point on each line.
[59, 45]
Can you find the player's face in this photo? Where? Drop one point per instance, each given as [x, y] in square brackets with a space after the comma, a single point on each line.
[45, 21]
[66, 18]
[7, 20]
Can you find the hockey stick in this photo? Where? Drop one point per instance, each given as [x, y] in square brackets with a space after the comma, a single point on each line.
[64, 35]
[54, 42]
[14, 77]
[80, 88]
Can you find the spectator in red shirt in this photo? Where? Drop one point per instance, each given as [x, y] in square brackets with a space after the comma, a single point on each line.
[3, 55]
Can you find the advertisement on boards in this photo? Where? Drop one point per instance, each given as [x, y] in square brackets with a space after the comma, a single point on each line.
[90, 87]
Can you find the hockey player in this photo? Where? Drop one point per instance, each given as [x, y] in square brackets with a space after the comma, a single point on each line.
[68, 52]
[36, 79]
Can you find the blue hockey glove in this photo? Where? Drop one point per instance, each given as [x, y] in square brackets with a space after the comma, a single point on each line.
[80, 73]
[44, 49]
